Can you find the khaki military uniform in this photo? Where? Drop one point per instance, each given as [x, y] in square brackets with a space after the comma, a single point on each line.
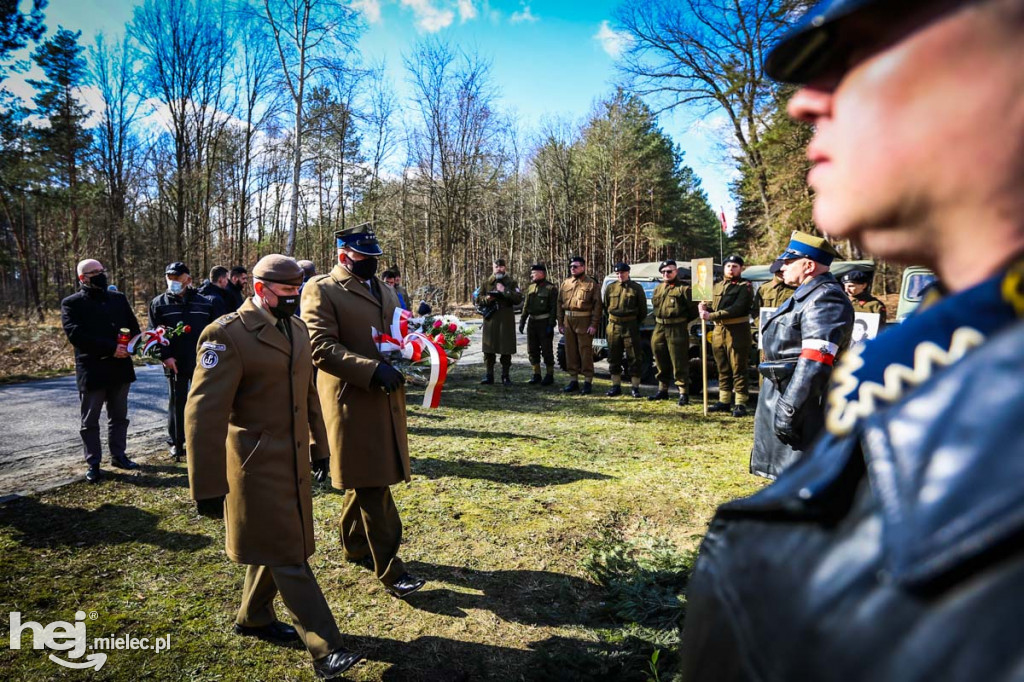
[626, 304]
[866, 303]
[579, 308]
[730, 310]
[540, 306]
[366, 427]
[499, 330]
[771, 295]
[670, 341]
[252, 423]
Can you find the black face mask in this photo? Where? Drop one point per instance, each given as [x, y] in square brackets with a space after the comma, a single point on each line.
[363, 269]
[286, 306]
[99, 281]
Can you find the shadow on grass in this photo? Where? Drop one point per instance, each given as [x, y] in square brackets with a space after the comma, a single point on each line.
[39, 525]
[529, 474]
[520, 596]
[152, 476]
[466, 433]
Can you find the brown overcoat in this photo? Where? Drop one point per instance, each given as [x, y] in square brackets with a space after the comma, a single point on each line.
[499, 332]
[366, 427]
[250, 434]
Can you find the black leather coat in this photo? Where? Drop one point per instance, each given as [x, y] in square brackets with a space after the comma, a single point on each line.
[817, 317]
[92, 319]
[893, 554]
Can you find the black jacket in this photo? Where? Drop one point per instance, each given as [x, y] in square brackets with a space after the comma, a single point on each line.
[192, 308]
[92, 320]
[234, 297]
[223, 301]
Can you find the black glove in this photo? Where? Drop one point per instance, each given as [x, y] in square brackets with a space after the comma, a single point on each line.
[321, 469]
[387, 377]
[785, 429]
[211, 508]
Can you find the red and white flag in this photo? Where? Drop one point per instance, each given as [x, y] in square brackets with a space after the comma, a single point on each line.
[725, 225]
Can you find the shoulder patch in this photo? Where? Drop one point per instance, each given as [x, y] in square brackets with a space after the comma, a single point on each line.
[207, 345]
[225, 320]
[209, 359]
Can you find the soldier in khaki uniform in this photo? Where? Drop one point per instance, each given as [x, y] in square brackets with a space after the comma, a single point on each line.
[538, 319]
[499, 332]
[579, 313]
[774, 293]
[252, 422]
[626, 304]
[364, 404]
[855, 283]
[670, 342]
[731, 305]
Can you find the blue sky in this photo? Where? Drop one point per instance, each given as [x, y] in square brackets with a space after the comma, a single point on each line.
[549, 58]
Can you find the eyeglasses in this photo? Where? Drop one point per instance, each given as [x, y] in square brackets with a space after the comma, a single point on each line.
[92, 273]
[668, 271]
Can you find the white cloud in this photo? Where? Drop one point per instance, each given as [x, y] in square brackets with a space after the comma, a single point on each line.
[370, 9]
[613, 42]
[523, 15]
[428, 17]
[467, 11]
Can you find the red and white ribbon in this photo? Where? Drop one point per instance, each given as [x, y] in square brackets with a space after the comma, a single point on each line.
[438, 370]
[149, 338]
[412, 347]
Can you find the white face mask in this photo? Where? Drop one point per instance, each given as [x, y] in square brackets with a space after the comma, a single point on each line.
[174, 286]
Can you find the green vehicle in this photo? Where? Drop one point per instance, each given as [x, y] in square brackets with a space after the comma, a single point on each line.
[916, 280]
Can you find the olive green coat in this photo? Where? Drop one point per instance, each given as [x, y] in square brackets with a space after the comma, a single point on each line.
[731, 300]
[541, 299]
[252, 423]
[499, 332]
[366, 427]
[771, 294]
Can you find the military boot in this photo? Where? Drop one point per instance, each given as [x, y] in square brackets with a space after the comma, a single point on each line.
[635, 392]
[614, 391]
[720, 407]
[739, 410]
[535, 379]
[571, 387]
[488, 379]
[505, 379]
[587, 388]
[548, 379]
[683, 400]
[662, 394]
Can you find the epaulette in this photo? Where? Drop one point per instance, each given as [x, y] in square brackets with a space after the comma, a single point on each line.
[225, 320]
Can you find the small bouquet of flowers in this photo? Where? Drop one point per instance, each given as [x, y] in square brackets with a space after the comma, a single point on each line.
[145, 343]
[449, 333]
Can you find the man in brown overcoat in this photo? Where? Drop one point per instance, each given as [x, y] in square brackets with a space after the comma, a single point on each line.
[250, 434]
[499, 332]
[364, 404]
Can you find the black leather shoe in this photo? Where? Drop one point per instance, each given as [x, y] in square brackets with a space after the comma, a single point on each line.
[739, 410]
[660, 395]
[334, 664]
[587, 388]
[683, 400]
[124, 463]
[487, 380]
[635, 392]
[720, 407]
[93, 475]
[274, 632]
[535, 379]
[571, 387]
[405, 585]
[547, 380]
[505, 381]
[613, 391]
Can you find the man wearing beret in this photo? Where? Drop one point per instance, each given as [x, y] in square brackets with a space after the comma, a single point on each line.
[253, 422]
[538, 320]
[731, 305]
[855, 283]
[579, 313]
[499, 332]
[801, 340]
[626, 303]
[180, 304]
[363, 398]
[670, 341]
[892, 551]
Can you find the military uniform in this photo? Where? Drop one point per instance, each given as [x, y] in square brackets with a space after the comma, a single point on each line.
[626, 303]
[670, 341]
[538, 319]
[499, 330]
[772, 294]
[579, 309]
[864, 302]
[731, 305]
[252, 424]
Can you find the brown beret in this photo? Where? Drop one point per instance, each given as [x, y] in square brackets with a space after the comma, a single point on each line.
[277, 268]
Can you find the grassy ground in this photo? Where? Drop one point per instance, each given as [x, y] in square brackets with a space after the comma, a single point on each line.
[556, 531]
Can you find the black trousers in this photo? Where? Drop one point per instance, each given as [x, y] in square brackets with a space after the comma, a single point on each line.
[116, 399]
[178, 385]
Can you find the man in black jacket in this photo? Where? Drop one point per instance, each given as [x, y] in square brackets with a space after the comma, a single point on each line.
[238, 278]
[93, 319]
[179, 304]
[216, 289]
[892, 551]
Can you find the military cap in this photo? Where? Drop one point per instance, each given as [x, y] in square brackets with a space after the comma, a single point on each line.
[666, 263]
[277, 268]
[308, 268]
[855, 276]
[499, 262]
[803, 245]
[621, 267]
[577, 259]
[823, 39]
[775, 267]
[539, 266]
[360, 239]
[177, 268]
[733, 259]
